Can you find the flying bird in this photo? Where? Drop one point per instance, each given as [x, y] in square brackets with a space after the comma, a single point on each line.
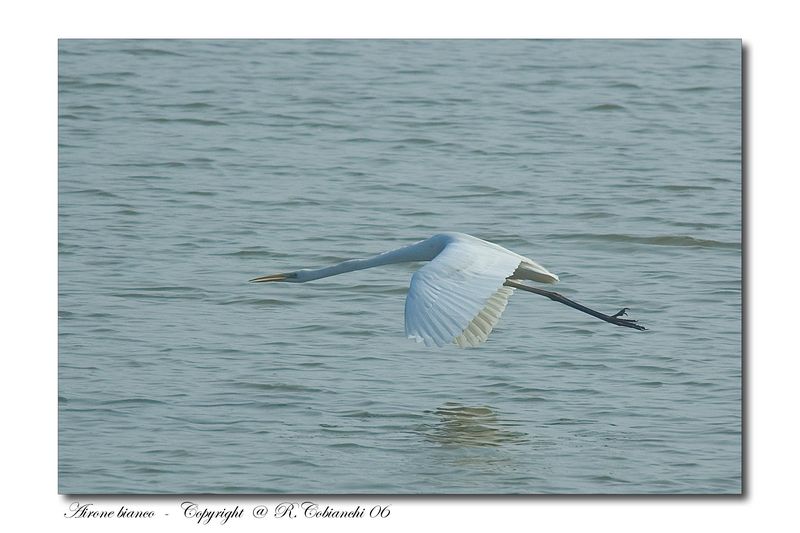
[459, 295]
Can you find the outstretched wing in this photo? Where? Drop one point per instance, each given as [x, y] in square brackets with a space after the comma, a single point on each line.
[459, 296]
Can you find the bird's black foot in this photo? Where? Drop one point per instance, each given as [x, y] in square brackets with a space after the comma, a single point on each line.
[627, 322]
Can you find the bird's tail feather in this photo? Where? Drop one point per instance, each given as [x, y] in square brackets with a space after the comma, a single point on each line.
[535, 272]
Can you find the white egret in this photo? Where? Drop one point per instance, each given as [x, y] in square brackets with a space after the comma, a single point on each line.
[459, 296]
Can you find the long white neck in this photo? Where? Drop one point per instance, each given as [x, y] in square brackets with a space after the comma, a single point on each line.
[421, 251]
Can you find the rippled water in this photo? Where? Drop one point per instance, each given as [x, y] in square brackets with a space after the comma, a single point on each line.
[188, 167]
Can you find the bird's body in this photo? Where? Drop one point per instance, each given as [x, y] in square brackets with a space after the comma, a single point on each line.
[459, 295]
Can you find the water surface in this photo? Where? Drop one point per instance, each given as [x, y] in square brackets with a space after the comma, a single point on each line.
[188, 167]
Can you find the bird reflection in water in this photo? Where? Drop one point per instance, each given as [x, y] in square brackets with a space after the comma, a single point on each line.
[471, 426]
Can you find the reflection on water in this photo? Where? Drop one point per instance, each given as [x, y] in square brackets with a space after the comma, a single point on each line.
[460, 425]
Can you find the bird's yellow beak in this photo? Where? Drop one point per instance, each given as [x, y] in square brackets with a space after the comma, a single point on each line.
[269, 277]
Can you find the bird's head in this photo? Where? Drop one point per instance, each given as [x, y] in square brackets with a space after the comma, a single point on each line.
[292, 277]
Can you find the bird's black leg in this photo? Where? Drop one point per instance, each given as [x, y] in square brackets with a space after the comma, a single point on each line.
[556, 297]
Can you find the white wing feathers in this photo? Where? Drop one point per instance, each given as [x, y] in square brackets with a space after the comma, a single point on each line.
[459, 296]
[479, 328]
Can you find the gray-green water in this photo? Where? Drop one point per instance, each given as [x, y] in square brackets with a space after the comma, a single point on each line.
[188, 167]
